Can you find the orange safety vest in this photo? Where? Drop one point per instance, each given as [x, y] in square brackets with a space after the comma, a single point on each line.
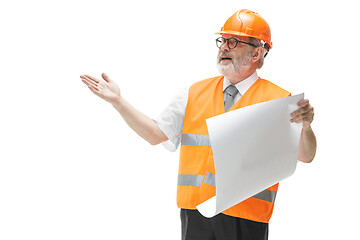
[196, 179]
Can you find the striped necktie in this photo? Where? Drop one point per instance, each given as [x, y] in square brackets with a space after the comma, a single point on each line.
[230, 93]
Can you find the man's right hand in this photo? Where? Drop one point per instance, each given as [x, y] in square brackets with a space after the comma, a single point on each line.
[105, 88]
[108, 90]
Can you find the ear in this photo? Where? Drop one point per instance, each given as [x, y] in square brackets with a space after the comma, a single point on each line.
[256, 54]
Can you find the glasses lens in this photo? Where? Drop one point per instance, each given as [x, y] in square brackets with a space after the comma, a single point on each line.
[219, 42]
[232, 43]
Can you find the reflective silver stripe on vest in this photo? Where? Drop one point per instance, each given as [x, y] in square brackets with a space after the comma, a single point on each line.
[195, 140]
[266, 195]
[190, 180]
[210, 179]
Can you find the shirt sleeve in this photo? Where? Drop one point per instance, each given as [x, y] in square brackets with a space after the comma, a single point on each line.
[170, 121]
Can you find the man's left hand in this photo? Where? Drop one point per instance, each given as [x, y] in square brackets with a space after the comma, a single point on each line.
[304, 115]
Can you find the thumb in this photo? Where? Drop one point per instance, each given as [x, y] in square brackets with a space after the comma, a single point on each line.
[106, 77]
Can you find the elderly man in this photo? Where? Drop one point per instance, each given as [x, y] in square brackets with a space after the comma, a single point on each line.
[243, 43]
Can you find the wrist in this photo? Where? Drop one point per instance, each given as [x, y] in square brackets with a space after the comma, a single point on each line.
[307, 130]
[117, 102]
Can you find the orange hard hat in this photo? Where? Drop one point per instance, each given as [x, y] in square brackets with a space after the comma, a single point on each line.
[249, 24]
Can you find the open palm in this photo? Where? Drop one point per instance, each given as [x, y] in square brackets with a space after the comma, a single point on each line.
[104, 88]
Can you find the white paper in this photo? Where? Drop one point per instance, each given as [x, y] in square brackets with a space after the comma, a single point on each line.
[254, 148]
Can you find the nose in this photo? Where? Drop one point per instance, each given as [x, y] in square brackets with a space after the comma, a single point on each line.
[225, 47]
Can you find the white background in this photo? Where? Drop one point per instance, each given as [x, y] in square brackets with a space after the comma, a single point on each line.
[70, 168]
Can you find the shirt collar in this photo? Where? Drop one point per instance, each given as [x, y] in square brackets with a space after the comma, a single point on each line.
[244, 85]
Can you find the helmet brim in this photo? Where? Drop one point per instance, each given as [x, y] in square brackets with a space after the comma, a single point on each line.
[239, 34]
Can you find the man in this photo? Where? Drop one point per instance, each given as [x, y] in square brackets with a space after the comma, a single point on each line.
[243, 43]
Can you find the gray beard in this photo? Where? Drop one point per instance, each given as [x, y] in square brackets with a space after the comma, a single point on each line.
[233, 70]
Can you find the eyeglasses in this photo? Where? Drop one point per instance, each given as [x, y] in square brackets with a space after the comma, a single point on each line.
[231, 42]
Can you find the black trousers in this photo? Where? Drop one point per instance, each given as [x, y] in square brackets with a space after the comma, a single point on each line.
[194, 226]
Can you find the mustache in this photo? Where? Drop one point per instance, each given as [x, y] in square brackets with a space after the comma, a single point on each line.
[224, 54]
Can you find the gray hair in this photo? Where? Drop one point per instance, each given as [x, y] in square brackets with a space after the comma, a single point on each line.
[258, 43]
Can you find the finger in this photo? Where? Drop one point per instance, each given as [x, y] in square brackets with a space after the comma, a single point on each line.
[90, 83]
[301, 110]
[308, 116]
[92, 78]
[303, 102]
[93, 90]
[297, 118]
[303, 120]
[106, 77]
